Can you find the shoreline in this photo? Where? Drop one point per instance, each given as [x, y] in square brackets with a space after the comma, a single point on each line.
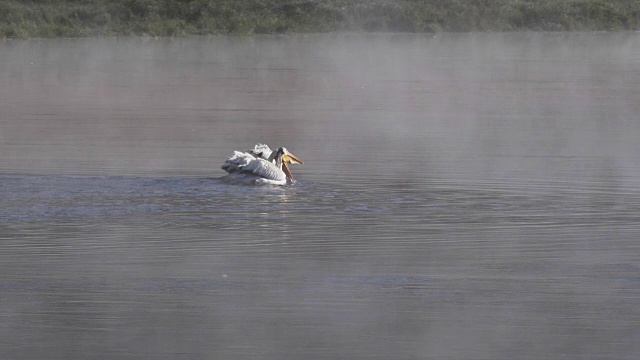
[181, 18]
[335, 33]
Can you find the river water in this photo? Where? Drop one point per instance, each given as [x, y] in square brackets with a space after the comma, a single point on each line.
[469, 196]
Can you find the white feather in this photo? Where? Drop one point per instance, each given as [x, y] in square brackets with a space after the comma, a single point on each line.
[248, 167]
[261, 150]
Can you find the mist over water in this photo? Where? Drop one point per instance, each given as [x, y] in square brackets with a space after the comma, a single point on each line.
[469, 196]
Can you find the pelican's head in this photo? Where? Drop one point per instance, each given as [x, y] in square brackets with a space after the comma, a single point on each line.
[287, 158]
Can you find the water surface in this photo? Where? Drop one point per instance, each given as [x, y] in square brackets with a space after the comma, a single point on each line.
[463, 197]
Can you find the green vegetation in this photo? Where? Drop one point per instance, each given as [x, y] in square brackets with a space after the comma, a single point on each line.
[81, 18]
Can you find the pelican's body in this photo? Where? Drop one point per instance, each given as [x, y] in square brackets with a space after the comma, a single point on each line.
[261, 165]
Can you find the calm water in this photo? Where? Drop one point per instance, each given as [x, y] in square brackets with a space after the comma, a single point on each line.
[462, 197]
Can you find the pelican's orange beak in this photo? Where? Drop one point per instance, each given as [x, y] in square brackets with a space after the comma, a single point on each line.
[289, 158]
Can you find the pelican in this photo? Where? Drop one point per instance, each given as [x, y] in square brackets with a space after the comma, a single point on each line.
[261, 165]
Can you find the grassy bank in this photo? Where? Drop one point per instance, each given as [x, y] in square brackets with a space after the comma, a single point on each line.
[81, 18]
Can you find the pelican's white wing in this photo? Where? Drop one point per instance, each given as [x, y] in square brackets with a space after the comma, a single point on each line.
[265, 169]
[261, 151]
[244, 163]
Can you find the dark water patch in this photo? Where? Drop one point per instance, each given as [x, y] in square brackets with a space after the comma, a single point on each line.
[202, 200]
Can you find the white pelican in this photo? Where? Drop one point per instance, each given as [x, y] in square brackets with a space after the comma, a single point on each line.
[261, 165]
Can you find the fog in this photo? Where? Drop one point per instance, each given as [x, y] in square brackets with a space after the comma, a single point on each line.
[147, 105]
